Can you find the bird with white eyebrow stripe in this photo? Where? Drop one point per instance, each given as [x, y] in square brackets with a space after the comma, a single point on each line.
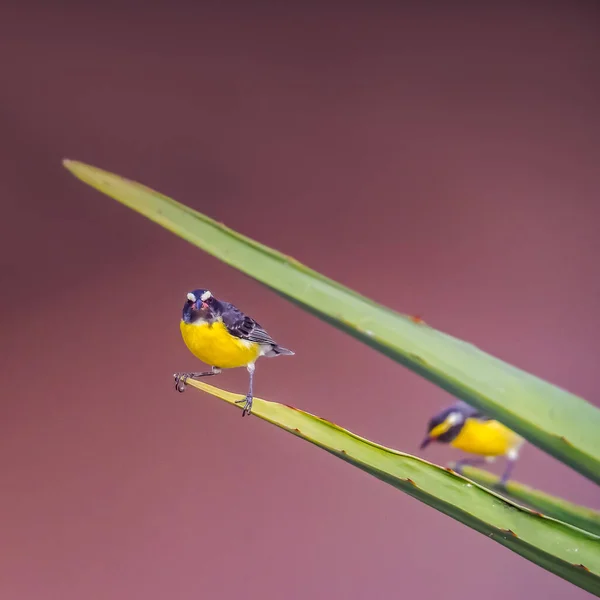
[222, 336]
[465, 428]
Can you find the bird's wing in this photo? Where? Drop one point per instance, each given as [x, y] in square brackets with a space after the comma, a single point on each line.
[244, 327]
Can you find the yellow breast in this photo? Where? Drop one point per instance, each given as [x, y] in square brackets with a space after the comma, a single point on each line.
[215, 346]
[487, 438]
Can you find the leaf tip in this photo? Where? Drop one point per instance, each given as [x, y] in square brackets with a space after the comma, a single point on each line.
[70, 164]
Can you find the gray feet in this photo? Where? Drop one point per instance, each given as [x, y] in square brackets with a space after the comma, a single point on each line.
[247, 406]
[507, 473]
[473, 462]
[181, 378]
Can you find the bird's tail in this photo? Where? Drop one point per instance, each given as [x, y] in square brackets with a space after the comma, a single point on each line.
[278, 350]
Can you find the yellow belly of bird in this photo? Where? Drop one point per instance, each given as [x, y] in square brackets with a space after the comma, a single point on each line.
[486, 438]
[215, 346]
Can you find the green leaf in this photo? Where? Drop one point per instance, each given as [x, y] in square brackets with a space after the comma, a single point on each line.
[555, 420]
[552, 506]
[567, 551]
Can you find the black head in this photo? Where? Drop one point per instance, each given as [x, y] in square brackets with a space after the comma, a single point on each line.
[199, 304]
[445, 426]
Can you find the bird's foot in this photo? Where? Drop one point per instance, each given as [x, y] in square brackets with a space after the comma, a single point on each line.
[501, 483]
[459, 465]
[506, 475]
[247, 406]
[181, 380]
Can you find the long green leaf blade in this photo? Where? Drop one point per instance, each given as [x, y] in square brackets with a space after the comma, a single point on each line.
[553, 419]
[551, 506]
[567, 551]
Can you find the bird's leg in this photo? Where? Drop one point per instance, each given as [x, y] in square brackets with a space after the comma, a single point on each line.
[511, 459]
[181, 378]
[249, 396]
[467, 461]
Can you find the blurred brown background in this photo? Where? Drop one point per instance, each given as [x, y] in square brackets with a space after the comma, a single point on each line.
[444, 162]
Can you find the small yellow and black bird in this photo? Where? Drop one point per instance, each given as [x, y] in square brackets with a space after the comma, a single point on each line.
[465, 428]
[222, 336]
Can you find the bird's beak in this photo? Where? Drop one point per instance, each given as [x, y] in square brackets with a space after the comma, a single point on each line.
[426, 442]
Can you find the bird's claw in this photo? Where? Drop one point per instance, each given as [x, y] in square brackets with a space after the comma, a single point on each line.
[181, 378]
[501, 483]
[180, 381]
[247, 406]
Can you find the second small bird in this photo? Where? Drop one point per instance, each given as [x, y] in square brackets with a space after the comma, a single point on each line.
[467, 429]
[222, 336]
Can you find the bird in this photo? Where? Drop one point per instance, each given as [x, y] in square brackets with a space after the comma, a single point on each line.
[222, 336]
[465, 428]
